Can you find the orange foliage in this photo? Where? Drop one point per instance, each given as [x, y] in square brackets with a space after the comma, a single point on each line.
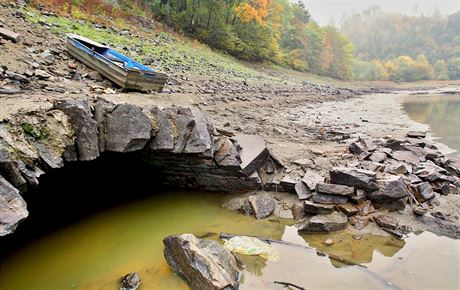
[256, 10]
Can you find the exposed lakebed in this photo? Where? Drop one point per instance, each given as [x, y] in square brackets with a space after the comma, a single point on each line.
[95, 252]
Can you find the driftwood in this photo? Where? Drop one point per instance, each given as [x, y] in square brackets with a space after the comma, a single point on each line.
[331, 256]
[287, 284]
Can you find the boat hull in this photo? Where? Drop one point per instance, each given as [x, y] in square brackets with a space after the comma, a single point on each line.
[126, 78]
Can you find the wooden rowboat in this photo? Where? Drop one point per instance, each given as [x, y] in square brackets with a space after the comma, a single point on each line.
[115, 66]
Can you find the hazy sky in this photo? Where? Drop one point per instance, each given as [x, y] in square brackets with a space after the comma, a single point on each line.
[325, 10]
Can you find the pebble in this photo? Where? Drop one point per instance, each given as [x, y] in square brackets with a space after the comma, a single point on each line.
[328, 242]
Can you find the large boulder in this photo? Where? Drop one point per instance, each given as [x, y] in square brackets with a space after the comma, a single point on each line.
[391, 189]
[325, 223]
[358, 178]
[13, 208]
[128, 129]
[85, 127]
[203, 264]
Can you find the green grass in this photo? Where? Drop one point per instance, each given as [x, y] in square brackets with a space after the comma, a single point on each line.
[169, 50]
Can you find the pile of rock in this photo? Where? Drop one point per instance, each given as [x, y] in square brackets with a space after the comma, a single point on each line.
[389, 175]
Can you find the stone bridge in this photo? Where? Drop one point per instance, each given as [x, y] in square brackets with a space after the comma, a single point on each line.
[179, 142]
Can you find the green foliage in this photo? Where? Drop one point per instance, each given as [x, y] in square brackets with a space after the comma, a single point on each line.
[441, 71]
[277, 31]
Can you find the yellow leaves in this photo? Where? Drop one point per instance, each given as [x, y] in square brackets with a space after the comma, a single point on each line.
[256, 10]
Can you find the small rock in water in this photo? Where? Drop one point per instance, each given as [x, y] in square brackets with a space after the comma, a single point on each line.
[131, 281]
[328, 242]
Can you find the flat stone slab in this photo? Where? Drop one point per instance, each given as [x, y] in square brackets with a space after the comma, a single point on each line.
[335, 189]
[253, 152]
[302, 191]
[390, 189]
[358, 178]
[317, 208]
[329, 198]
[325, 223]
[311, 179]
[348, 209]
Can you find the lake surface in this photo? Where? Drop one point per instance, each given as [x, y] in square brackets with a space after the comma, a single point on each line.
[441, 113]
[95, 251]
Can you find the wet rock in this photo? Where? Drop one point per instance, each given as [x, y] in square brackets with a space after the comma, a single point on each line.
[131, 281]
[358, 178]
[390, 189]
[297, 211]
[302, 191]
[13, 208]
[447, 188]
[128, 129]
[386, 222]
[440, 226]
[234, 204]
[311, 179]
[317, 208]
[335, 189]
[262, 205]
[348, 209]
[325, 223]
[203, 264]
[329, 198]
[85, 127]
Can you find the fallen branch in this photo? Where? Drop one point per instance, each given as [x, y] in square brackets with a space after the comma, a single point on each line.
[331, 256]
[287, 284]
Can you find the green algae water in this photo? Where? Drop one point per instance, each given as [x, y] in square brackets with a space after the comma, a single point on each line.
[441, 113]
[96, 251]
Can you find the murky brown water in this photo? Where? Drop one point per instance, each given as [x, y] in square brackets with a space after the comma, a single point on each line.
[95, 252]
[441, 113]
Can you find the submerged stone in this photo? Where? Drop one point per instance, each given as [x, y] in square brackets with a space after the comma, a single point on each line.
[325, 223]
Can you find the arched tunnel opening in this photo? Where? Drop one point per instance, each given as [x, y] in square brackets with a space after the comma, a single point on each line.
[79, 190]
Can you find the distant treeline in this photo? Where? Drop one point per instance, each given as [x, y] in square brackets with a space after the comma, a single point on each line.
[278, 31]
[389, 46]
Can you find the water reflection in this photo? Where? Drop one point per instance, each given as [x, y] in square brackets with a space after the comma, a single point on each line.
[441, 113]
[358, 251]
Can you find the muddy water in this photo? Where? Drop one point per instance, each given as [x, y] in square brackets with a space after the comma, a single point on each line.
[93, 253]
[441, 113]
